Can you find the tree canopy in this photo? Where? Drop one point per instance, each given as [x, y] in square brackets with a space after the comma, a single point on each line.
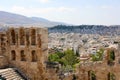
[98, 56]
[68, 59]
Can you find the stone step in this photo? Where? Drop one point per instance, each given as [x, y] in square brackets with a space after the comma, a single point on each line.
[10, 74]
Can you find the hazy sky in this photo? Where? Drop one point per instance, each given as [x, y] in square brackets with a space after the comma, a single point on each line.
[106, 12]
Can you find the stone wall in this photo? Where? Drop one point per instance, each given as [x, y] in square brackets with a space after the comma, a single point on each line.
[25, 49]
[3, 62]
[101, 69]
[3, 50]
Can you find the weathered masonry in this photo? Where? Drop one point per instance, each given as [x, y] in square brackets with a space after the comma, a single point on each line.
[25, 49]
[108, 69]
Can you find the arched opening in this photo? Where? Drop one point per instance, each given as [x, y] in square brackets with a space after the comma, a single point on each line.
[23, 57]
[33, 37]
[34, 56]
[111, 76]
[74, 77]
[13, 55]
[13, 37]
[111, 57]
[22, 36]
[91, 75]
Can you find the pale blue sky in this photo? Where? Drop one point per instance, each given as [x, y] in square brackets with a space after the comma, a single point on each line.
[104, 12]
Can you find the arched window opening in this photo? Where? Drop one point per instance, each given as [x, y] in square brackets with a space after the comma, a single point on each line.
[33, 37]
[74, 77]
[91, 75]
[23, 57]
[13, 55]
[22, 36]
[34, 56]
[111, 57]
[2, 37]
[111, 76]
[13, 37]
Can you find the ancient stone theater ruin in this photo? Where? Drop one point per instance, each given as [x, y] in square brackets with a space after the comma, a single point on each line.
[23, 54]
[107, 69]
[25, 51]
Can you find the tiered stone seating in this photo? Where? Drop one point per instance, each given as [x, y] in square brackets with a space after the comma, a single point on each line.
[10, 74]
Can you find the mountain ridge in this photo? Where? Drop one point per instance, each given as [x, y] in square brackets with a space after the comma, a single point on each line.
[9, 18]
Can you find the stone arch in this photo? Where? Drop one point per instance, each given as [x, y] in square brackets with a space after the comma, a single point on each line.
[13, 37]
[33, 36]
[91, 75]
[13, 55]
[111, 57]
[111, 76]
[34, 56]
[74, 77]
[23, 57]
[22, 36]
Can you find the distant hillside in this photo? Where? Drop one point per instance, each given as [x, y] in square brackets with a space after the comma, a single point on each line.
[86, 29]
[16, 19]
